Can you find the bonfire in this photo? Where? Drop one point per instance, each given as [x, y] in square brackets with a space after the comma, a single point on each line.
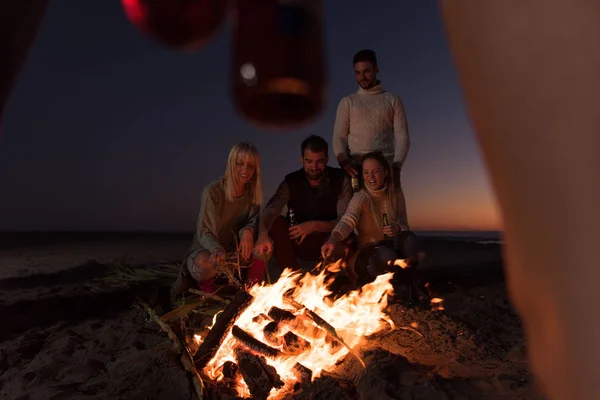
[271, 338]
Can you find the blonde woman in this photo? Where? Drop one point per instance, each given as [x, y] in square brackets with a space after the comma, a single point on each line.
[229, 206]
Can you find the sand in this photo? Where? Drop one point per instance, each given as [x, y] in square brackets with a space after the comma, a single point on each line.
[61, 338]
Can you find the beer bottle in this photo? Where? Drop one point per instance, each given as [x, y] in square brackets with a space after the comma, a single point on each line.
[278, 63]
[385, 223]
[292, 217]
[355, 184]
[182, 24]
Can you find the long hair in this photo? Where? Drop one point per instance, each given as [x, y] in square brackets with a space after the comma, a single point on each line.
[390, 192]
[248, 152]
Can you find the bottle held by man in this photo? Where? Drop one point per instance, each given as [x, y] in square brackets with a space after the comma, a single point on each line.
[292, 217]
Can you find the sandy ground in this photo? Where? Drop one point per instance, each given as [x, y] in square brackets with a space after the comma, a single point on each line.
[61, 339]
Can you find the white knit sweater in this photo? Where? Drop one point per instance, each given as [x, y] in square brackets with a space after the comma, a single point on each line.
[371, 120]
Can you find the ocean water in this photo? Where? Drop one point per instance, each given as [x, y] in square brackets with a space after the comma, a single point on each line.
[469, 236]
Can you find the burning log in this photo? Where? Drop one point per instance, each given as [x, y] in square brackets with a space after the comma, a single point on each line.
[258, 375]
[327, 327]
[230, 370]
[260, 318]
[279, 315]
[219, 331]
[302, 374]
[271, 333]
[294, 344]
[253, 344]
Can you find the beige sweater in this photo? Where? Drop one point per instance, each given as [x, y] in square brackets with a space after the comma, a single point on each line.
[221, 220]
[371, 120]
[365, 215]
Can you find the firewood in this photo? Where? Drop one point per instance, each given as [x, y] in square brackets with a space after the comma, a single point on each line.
[293, 344]
[219, 331]
[253, 344]
[271, 333]
[260, 318]
[230, 369]
[326, 326]
[302, 374]
[258, 375]
[279, 315]
[181, 350]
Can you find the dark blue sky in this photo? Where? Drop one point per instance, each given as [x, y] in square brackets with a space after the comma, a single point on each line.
[108, 130]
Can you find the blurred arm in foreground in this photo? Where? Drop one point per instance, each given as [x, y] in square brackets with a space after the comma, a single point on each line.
[529, 73]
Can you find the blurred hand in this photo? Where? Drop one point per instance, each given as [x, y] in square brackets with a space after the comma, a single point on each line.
[391, 230]
[247, 243]
[327, 249]
[263, 245]
[350, 170]
[217, 257]
[301, 231]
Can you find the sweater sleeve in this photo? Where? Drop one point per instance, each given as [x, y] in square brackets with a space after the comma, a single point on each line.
[252, 222]
[274, 207]
[349, 220]
[209, 222]
[341, 128]
[401, 137]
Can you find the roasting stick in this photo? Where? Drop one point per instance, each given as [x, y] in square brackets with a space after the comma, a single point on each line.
[321, 323]
[267, 269]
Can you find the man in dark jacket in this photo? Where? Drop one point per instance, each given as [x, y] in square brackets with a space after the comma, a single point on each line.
[317, 194]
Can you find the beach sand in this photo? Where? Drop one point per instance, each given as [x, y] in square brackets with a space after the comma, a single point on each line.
[63, 339]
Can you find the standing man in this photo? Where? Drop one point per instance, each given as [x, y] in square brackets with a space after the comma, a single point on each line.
[371, 119]
[319, 196]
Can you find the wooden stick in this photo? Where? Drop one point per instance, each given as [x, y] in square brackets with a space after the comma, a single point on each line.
[252, 343]
[267, 269]
[180, 349]
[220, 330]
[209, 295]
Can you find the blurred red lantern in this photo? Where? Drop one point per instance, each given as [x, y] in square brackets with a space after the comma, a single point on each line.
[278, 75]
[182, 24]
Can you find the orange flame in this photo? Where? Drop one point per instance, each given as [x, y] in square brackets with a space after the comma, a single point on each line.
[355, 315]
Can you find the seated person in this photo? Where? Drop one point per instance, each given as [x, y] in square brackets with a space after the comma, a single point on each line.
[318, 194]
[229, 206]
[383, 234]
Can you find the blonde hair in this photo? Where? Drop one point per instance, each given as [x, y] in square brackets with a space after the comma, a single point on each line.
[247, 151]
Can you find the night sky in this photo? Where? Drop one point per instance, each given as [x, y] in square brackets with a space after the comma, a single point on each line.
[108, 130]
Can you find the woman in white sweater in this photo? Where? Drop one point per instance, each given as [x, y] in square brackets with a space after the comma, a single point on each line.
[373, 213]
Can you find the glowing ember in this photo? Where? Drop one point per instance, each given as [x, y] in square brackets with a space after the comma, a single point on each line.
[353, 316]
[401, 263]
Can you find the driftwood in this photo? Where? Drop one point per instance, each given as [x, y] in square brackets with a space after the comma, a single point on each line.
[219, 331]
[253, 344]
[258, 375]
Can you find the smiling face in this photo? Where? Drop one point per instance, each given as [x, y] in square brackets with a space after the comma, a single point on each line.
[314, 164]
[374, 174]
[245, 168]
[366, 74]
